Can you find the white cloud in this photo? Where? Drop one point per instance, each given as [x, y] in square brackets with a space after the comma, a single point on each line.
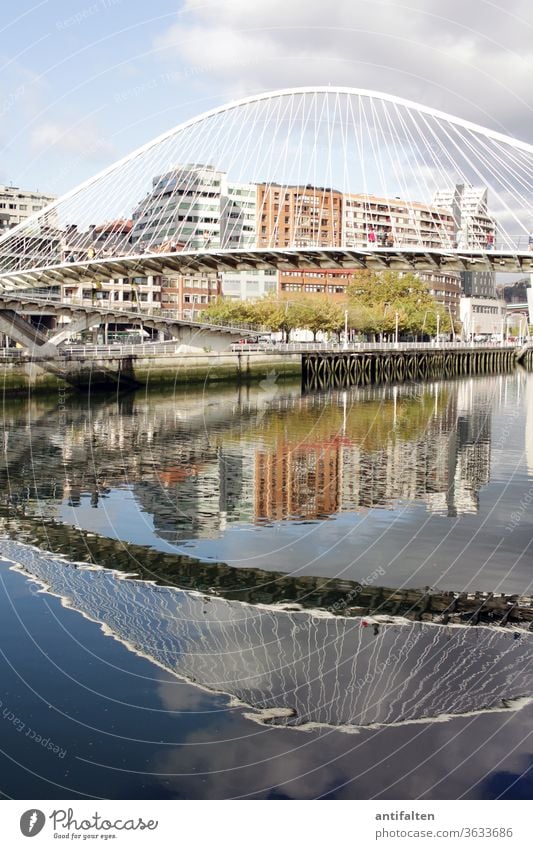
[471, 59]
[83, 140]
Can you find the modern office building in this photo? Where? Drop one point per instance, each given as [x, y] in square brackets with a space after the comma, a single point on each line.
[482, 317]
[238, 215]
[183, 206]
[478, 284]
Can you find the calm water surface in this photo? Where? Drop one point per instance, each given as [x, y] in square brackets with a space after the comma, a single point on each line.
[153, 548]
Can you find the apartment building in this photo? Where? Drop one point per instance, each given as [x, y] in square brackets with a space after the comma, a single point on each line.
[16, 205]
[112, 238]
[373, 221]
[136, 294]
[332, 282]
[247, 285]
[475, 229]
[298, 216]
[196, 207]
[445, 286]
[185, 296]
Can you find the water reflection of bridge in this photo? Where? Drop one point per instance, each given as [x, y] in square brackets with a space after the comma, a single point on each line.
[293, 668]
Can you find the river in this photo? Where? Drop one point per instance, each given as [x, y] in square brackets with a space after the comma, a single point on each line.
[178, 611]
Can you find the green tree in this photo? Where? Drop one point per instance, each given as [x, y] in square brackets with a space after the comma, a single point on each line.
[318, 314]
[377, 298]
[226, 311]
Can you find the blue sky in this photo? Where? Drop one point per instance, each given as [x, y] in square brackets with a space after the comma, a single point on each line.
[85, 82]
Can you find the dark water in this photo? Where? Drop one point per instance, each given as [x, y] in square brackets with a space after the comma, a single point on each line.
[162, 653]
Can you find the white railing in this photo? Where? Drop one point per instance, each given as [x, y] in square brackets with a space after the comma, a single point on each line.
[377, 346]
[119, 349]
[155, 348]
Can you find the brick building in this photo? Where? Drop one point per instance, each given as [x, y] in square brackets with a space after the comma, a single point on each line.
[298, 216]
[187, 295]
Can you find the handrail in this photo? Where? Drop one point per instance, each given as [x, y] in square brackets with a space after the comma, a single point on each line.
[154, 348]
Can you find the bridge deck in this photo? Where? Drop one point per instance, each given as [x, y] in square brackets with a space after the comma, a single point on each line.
[375, 259]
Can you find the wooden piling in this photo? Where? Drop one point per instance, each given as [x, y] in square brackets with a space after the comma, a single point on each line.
[341, 369]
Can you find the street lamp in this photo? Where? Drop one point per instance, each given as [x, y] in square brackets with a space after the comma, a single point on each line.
[523, 333]
[438, 327]
[507, 318]
[396, 330]
[345, 329]
[385, 308]
[424, 324]
[451, 323]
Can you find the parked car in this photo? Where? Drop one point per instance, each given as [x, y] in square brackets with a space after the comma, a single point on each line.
[245, 344]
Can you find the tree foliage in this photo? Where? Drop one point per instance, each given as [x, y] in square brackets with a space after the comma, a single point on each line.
[373, 300]
[280, 315]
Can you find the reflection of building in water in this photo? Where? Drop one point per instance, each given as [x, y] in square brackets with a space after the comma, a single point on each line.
[529, 424]
[294, 481]
[470, 463]
[411, 471]
[196, 468]
[236, 473]
[326, 670]
[198, 496]
[445, 467]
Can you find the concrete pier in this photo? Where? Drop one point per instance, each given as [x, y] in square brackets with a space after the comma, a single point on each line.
[26, 373]
[319, 368]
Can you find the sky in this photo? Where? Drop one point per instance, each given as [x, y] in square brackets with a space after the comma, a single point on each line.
[84, 82]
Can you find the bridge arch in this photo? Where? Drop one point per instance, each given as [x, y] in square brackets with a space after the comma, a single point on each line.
[337, 141]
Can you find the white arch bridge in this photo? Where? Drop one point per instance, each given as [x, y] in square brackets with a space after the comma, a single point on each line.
[321, 177]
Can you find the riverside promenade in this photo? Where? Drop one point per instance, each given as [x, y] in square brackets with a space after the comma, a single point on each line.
[319, 366]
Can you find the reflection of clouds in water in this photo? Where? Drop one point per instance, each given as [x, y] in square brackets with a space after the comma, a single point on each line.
[435, 760]
[326, 670]
[180, 696]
